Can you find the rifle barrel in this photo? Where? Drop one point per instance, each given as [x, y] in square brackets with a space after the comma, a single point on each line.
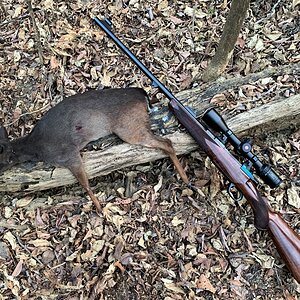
[105, 26]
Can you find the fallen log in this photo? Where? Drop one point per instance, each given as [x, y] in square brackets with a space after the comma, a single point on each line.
[278, 114]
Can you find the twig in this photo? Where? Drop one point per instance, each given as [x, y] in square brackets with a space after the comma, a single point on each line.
[27, 113]
[14, 19]
[13, 226]
[2, 8]
[28, 251]
[270, 14]
[37, 32]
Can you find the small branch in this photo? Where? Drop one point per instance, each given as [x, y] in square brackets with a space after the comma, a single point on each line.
[6, 22]
[273, 10]
[37, 32]
[27, 113]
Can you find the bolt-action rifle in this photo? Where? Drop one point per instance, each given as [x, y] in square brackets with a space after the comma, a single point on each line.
[239, 175]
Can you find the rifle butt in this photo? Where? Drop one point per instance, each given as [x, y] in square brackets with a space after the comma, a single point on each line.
[287, 242]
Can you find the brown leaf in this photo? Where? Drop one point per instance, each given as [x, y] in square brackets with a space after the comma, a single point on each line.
[218, 99]
[295, 144]
[204, 283]
[172, 286]
[240, 42]
[119, 265]
[38, 220]
[293, 196]
[39, 243]
[54, 62]
[288, 295]
[119, 246]
[175, 20]
[65, 40]
[18, 269]
[162, 5]
[48, 256]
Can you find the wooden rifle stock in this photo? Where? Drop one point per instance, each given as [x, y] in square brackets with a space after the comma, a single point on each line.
[285, 239]
[287, 243]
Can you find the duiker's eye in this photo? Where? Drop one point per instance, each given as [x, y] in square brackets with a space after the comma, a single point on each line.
[1, 149]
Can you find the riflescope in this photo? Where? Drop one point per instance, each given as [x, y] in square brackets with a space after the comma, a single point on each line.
[243, 148]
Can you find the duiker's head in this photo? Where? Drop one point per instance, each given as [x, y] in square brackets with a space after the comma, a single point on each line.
[6, 151]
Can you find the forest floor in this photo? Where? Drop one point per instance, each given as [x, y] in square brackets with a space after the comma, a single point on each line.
[164, 241]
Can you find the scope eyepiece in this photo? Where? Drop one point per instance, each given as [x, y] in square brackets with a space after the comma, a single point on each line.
[269, 176]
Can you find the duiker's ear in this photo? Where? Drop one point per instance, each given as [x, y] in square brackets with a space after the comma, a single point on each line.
[3, 133]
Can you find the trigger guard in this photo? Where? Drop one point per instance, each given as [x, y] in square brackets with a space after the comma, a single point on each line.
[238, 196]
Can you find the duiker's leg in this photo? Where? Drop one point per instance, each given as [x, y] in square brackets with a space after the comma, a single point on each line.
[146, 138]
[78, 171]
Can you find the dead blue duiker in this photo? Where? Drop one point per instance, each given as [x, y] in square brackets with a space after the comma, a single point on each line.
[77, 120]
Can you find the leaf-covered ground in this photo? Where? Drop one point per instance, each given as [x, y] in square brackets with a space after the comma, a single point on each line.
[156, 238]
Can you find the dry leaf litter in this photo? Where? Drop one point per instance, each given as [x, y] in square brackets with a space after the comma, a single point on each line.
[156, 238]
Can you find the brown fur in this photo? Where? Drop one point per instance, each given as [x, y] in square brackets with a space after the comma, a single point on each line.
[77, 120]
